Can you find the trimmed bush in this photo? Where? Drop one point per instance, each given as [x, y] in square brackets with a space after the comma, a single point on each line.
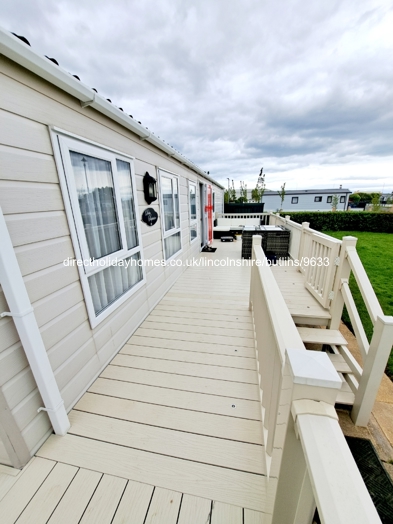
[239, 208]
[345, 221]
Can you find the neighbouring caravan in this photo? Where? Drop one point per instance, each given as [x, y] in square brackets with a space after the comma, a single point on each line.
[304, 199]
[95, 251]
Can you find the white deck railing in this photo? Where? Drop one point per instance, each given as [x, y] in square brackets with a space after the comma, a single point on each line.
[317, 254]
[243, 215]
[274, 332]
[308, 461]
[366, 378]
[331, 287]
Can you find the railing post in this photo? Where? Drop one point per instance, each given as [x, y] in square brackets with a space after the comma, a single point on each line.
[373, 369]
[303, 241]
[316, 383]
[343, 272]
[256, 241]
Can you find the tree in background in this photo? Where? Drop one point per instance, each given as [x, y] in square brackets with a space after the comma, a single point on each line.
[258, 192]
[281, 194]
[230, 194]
[335, 201]
[243, 193]
[355, 198]
[365, 197]
[255, 195]
[376, 202]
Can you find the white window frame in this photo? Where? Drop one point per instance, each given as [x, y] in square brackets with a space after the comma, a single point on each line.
[62, 143]
[193, 221]
[166, 234]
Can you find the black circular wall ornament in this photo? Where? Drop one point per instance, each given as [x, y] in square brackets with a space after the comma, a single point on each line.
[149, 216]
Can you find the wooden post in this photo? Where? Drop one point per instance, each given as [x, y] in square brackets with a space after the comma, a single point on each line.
[315, 384]
[305, 227]
[343, 272]
[340, 493]
[294, 491]
[373, 369]
[256, 241]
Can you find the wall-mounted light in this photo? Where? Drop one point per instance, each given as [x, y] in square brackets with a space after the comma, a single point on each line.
[149, 188]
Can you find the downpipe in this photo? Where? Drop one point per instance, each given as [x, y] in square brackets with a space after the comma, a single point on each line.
[22, 313]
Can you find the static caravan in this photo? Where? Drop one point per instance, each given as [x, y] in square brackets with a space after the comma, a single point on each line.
[102, 215]
[307, 200]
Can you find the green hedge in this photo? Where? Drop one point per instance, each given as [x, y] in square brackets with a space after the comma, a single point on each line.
[345, 221]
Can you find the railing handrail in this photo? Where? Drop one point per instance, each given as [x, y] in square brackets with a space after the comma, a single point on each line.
[242, 215]
[275, 331]
[305, 384]
[333, 295]
[284, 327]
[339, 490]
[370, 298]
[287, 220]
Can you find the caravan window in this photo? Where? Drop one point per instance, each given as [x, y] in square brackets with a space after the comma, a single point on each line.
[100, 190]
[193, 210]
[170, 205]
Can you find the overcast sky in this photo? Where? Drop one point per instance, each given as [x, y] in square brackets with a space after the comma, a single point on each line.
[303, 88]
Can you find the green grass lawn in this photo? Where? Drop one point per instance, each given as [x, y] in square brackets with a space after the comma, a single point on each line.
[376, 253]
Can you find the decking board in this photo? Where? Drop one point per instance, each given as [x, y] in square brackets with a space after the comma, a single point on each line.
[186, 368]
[232, 487]
[219, 426]
[194, 357]
[206, 403]
[209, 386]
[171, 429]
[190, 327]
[181, 444]
[219, 349]
[303, 307]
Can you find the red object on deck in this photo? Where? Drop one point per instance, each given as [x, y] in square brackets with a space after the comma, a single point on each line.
[209, 211]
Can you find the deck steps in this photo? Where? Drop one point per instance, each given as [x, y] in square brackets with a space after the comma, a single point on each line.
[321, 336]
[333, 338]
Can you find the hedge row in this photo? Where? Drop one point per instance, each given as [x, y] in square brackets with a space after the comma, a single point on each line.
[346, 221]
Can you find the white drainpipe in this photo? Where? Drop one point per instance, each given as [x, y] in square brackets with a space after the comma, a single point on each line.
[22, 313]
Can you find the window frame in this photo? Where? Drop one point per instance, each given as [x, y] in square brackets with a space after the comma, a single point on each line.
[62, 143]
[342, 199]
[318, 199]
[163, 173]
[193, 221]
[329, 199]
[294, 200]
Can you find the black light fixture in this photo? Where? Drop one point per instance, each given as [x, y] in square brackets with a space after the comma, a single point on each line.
[149, 188]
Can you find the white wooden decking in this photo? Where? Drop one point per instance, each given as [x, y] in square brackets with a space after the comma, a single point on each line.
[304, 308]
[171, 429]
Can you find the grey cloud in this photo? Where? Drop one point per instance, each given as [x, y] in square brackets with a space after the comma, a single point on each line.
[234, 86]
